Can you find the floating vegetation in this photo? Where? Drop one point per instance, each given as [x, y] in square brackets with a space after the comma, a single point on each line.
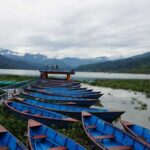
[132, 102]
[141, 106]
[131, 85]
[123, 102]
[134, 99]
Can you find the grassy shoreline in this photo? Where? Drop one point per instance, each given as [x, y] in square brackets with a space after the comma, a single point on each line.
[134, 85]
[16, 78]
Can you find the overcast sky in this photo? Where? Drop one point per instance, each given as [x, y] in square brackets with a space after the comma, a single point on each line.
[80, 28]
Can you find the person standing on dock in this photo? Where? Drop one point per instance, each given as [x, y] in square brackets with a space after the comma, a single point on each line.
[52, 67]
[56, 67]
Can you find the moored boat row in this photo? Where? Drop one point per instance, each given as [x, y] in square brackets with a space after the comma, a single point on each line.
[60, 99]
[72, 111]
[64, 103]
[103, 135]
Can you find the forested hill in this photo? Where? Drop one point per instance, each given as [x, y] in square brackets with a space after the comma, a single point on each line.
[7, 63]
[136, 64]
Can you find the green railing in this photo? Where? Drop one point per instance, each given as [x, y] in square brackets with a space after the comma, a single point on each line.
[15, 88]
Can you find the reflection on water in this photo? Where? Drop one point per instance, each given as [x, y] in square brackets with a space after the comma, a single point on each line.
[136, 105]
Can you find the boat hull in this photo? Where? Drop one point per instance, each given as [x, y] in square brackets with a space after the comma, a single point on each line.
[105, 136]
[64, 109]
[137, 131]
[90, 96]
[82, 103]
[9, 141]
[47, 138]
[64, 122]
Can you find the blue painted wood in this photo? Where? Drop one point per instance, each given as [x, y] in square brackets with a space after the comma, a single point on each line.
[9, 141]
[75, 111]
[29, 112]
[137, 130]
[43, 138]
[108, 137]
[60, 99]
[95, 95]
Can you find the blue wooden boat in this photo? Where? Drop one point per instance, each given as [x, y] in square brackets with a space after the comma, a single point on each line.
[9, 141]
[42, 115]
[79, 90]
[58, 82]
[65, 91]
[86, 96]
[105, 136]
[70, 85]
[69, 88]
[73, 111]
[41, 137]
[60, 99]
[137, 130]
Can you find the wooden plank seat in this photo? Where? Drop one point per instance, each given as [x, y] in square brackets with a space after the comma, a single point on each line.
[4, 148]
[25, 111]
[2, 129]
[85, 114]
[120, 148]
[91, 127]
[39, 137]
[34, 124]
[19, 98]
[104, 137]
[59, 148]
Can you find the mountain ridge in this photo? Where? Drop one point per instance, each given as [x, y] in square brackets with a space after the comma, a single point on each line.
[135, 64]
[39, 59]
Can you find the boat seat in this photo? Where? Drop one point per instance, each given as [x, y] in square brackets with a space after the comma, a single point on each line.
[104, 137]
[34, 124]
[39, 137]
[25, 111]
[4, 148]
[2, 129]
[85, 114]
[37, 115]
[91, 127]
[120, 148]
[58, 148]
[19, 98]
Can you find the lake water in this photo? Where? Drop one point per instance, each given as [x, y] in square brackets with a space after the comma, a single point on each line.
[129, 101]
[80, 75]
[118, 99]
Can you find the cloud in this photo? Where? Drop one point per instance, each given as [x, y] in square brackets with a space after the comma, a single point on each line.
[87, 28]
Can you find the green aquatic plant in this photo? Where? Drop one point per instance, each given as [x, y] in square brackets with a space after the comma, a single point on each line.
[132, 102]
[134, 99]
[134, 85]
